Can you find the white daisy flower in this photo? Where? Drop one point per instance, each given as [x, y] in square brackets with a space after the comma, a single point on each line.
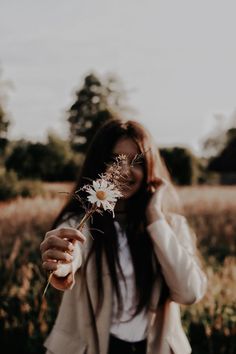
[103, 194]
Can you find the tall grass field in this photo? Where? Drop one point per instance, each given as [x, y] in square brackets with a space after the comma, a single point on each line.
[25, 319]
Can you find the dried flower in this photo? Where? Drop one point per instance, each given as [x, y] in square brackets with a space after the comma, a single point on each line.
[102, 194]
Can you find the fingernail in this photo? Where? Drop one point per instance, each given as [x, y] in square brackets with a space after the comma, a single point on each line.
[69, 257]
[71, 246]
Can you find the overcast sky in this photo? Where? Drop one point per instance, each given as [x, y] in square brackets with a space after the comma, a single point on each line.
[176, 58]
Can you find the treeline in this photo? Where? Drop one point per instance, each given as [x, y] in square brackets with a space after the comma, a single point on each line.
[60, 160]
[53, 161]
[56, 160]
[26, 164]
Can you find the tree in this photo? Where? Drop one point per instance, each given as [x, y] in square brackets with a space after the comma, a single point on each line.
[53, 161]
[4, 121]
[216, 140]
[97, 101]
[182, 164]
[225, 162]
[220, 135]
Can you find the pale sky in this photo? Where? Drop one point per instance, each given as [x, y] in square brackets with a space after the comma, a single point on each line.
[176, 58]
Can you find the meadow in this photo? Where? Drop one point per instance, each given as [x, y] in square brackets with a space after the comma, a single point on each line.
[25, 319]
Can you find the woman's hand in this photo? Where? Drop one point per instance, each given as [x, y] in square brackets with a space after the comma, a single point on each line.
[58, 246]
[154, 207]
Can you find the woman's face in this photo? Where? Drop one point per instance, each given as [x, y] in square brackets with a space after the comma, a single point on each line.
[128, 147]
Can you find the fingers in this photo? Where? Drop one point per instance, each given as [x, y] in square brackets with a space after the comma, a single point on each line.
[50, 266]
[66, 232]
[52, 254]
[56, 242]
[58, 246]
[62, 239]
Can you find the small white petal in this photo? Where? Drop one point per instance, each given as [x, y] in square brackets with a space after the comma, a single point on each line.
[91, 199]
[111, 186]
[92, 192]
[96, 185]
[103, 184]
[106, 205]
[111, 199]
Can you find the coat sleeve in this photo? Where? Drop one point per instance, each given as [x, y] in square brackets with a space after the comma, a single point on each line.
[175, 249]
[67, 282]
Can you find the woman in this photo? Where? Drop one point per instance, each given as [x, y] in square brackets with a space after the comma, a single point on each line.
[127, 280]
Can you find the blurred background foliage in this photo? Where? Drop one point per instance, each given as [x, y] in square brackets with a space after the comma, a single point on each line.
[32, 174]
[97, 100]
[52, 161]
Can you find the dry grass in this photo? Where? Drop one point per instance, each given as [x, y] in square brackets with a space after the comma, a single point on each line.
[210, 210]
[24, 216]
[208, 199]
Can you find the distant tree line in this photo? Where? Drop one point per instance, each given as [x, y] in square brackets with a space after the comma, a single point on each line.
[95, 102]
[50, 161]
[4, 119]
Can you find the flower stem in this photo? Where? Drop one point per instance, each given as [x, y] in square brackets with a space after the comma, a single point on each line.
[86, 217]
[47, 285]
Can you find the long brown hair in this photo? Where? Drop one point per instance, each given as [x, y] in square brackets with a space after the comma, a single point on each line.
[141, 248]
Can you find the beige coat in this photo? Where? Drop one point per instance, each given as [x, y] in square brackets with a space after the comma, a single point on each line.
[78, 331]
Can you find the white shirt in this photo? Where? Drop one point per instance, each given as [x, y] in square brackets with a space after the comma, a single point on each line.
[125, 326]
